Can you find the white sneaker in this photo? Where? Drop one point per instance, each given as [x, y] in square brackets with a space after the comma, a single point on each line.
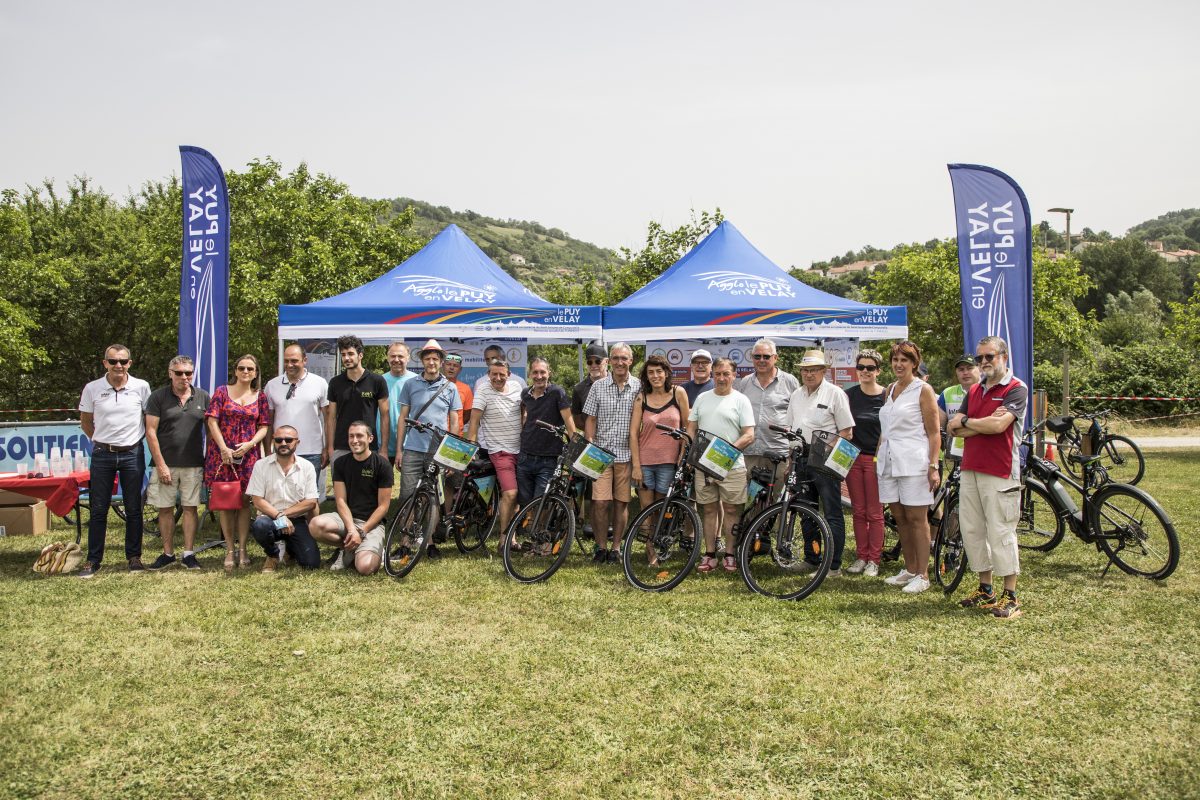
[901, 578]
[872, 570]
[916, 585]
[339, 561]
[858, 566]
[833, 573]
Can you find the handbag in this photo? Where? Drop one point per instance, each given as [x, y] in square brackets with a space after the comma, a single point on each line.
[58, 558]
[225, 495]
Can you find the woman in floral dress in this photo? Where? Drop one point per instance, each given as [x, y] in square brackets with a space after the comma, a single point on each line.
[238, 420]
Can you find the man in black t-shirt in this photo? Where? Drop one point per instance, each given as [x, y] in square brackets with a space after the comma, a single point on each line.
[175, 434]
[356, 395]
[597, 368]
[362, 489]
[541, 402]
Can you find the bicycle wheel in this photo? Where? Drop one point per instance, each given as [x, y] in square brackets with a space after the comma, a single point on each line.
[949, 554]
[1133, 531]
[1122, 460]
[787, 552]
[538, 539]
[409, 533]
[1039, 526]
[477, 519]
[662, 545]
[1069, 446]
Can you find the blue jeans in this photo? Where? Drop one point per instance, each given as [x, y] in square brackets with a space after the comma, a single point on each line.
[533, 473]
[829, 492]
[131, 468]
[300, 544]
[657, 477]
[315, 460]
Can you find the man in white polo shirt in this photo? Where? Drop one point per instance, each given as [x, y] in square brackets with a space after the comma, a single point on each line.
[112, 414]
[284, 490]
[300, 398]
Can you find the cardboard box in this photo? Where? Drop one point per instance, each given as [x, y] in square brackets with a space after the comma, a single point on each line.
[8, 498]
[24, 520]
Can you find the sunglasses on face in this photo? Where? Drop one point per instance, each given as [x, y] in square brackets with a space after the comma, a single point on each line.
[242, 368]
[112, 362]
[594, 361]
[284, 439]
[761, 356]
[183, 373]
[291, 392]
[982, 357]
[866, 367]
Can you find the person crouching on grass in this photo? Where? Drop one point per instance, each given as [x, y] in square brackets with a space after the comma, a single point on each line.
[362, 489]
[726, 413]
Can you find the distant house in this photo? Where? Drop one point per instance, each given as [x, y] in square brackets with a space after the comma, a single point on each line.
[857, 266]
[1177, 255]
[516, 259]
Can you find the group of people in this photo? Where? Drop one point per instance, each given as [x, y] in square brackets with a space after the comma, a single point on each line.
[279, 440]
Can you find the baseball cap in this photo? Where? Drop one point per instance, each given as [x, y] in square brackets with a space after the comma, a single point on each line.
[701, 353]
[595, 351]
[969, 360]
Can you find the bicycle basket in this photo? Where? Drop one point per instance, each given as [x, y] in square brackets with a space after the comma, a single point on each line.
[712, 455]
[831, 455]
[588, 459]
[454, 453]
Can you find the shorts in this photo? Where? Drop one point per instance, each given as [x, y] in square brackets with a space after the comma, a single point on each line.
[613, 483]
[657, 477]
[907, 490]
[372, 541]
[506, 469]
[184, 488]
[732, 490]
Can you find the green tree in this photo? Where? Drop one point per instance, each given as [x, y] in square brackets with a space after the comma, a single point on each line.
[1126, 265]
[1129, 319]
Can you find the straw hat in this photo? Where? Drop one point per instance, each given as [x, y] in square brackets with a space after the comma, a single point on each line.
[813, 358]
[431, 347]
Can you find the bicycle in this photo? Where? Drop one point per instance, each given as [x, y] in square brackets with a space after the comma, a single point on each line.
[472, 517]
[538, 539]
[1124, 522]
[1119, 459]
[412, 527]
[948, 552]
[663, 542]
[788, 549]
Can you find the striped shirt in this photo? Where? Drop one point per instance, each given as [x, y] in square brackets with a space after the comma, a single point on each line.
[612, 406]
[500, 417]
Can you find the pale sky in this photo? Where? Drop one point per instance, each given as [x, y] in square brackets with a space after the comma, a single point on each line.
[816, 127]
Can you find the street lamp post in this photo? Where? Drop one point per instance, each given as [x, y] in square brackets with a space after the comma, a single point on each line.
[1066, 401]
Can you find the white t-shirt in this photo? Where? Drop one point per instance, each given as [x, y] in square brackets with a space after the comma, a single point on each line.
[305, 411]
[724, 416]
[118, 414]
[269, 482]
[827, 409]
[500, 417]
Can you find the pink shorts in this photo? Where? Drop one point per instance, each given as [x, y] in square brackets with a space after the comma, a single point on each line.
[506, 470]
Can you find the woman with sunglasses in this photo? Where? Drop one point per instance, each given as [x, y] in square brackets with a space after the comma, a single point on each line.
[238, 420]
[866, 399]
[907, 462]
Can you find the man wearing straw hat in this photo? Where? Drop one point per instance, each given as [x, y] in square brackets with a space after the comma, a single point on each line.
[819, 405]
[433, 399]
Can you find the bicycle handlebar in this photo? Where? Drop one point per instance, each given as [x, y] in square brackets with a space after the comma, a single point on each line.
[788, 432]
[674, 433]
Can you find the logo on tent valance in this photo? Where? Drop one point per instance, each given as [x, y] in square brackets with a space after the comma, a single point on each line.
[743, 284]
[439, 290]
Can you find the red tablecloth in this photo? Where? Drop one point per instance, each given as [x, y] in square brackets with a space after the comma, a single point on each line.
[60, 494]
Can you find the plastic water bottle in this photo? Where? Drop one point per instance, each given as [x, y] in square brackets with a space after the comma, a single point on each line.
[80, 461]
[40, 467]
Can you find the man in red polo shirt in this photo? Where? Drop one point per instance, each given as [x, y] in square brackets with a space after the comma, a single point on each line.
[990, 421]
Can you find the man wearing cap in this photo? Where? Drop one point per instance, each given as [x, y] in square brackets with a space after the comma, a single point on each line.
[451, 368]
[356, 394]
[111, 413]
[434, 400]
[596, 359]
[395, 378]
[609, 410]
[952, 396]
[990, 420]
[300, 399]
[819, 405]
[701, 380]
[770, 392]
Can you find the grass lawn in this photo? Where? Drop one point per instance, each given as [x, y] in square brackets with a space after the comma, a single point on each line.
[458, 682]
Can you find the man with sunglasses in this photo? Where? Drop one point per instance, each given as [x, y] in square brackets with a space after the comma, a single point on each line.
[452, 368]
[300, 399]
[596, 359]
[702, 379]
[175, 434]
[111, 414]
[770, 391]
[990, 421]
[283, 489]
